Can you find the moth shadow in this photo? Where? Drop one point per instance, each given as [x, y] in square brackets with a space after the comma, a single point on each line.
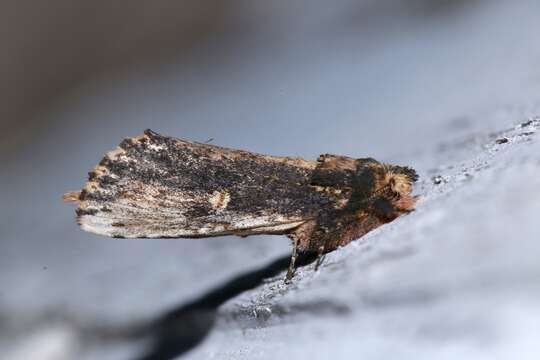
[181, 329]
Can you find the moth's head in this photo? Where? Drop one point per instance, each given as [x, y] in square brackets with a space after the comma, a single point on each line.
[399, 180]
[387, 188]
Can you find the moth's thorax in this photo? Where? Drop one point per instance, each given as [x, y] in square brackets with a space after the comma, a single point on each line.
[373, 193]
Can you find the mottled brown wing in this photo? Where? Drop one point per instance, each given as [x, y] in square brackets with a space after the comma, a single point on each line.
[157, 186]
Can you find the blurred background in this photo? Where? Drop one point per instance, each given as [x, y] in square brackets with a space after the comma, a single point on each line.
[391, 79]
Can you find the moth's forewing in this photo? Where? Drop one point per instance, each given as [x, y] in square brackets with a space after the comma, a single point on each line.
[157, 186]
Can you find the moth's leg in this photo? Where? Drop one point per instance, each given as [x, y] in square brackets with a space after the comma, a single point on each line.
[294, 256]
[320, 257]
[300, 237]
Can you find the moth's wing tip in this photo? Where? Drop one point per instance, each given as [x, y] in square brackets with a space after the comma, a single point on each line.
[71, 196]
[151, 133]
[146, 135]
[94, 225]
[99, 221]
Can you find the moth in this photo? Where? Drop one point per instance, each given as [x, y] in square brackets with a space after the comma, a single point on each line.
[154, 186]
